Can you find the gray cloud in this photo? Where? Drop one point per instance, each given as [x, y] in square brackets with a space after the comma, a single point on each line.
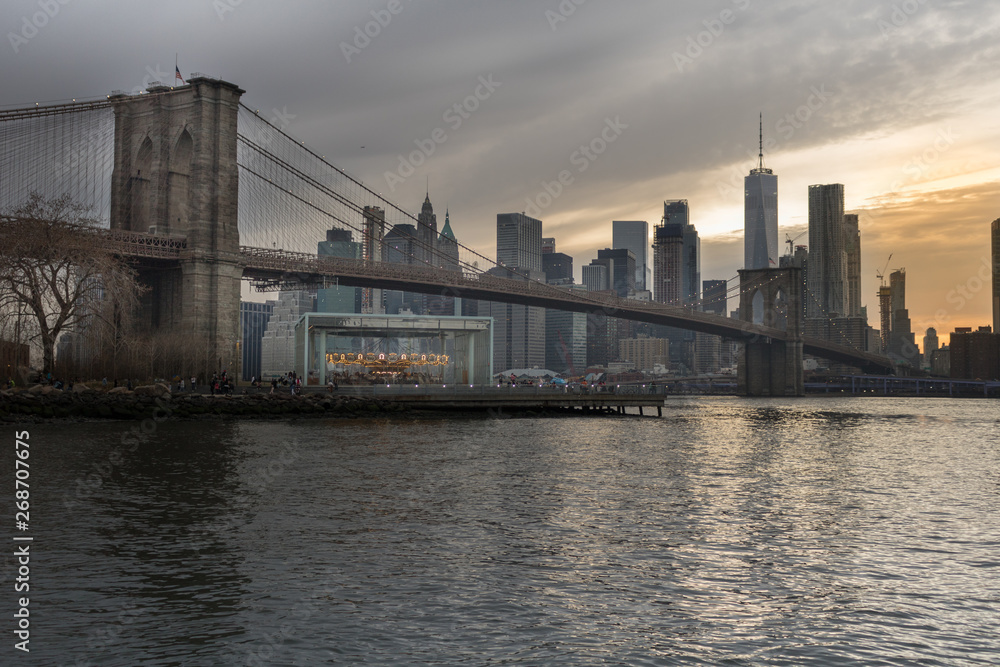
[689, 126]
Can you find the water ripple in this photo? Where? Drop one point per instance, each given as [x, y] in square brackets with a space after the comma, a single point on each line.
[729, 532]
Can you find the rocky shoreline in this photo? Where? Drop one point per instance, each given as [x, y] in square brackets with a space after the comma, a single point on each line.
[44, 403]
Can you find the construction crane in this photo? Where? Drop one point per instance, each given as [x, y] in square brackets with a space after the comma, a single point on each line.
[790, 241]
[881, 274]
[885, 306]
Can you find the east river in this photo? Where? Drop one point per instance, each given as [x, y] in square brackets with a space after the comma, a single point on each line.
[846, 531]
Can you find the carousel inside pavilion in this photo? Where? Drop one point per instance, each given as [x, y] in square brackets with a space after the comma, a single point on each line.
[393, 349]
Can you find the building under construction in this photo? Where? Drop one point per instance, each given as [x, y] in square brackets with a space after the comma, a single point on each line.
[897, 336]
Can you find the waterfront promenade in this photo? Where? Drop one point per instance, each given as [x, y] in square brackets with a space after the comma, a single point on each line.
[623, 399]
[157, 402]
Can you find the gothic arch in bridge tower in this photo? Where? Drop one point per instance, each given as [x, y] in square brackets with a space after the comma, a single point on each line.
[771, 365]
[757, 307]
[780, 309]
[177, 184]
[140, 188]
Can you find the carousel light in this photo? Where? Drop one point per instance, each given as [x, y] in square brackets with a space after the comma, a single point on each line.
[391, 362]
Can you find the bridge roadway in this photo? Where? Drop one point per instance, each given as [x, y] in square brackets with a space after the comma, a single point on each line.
[278, 268]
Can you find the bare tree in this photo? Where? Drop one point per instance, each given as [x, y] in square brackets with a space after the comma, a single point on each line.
[57, 267]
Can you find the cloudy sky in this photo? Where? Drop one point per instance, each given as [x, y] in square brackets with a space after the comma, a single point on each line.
[632, 101]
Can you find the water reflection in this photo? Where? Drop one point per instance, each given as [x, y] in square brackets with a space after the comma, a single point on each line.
[778, 532]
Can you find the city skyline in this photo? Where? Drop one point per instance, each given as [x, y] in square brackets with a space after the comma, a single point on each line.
[896, 106]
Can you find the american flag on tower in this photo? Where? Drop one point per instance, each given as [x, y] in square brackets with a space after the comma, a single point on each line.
[177, 75]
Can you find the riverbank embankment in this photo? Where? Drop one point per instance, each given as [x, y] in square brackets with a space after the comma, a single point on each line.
[42, 403]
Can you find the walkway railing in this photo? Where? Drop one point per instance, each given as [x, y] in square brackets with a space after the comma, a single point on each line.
[138, 244]
[445, 390]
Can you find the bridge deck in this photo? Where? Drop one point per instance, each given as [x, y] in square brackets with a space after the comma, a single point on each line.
[280, 268]
[277, 268]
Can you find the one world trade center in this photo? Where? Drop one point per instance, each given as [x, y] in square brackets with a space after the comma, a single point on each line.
[760, 250]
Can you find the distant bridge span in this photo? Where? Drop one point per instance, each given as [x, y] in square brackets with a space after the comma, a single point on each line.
[275, 268]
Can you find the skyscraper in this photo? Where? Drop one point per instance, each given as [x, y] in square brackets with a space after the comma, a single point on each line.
[930, 345]
[401, 248]
[566, 340]
[634, 235]
[446, 257]
[827, 281]
[668, 253]
[996, 275]
[975, 354]
[518, 331]
[715, 293]
[852, 246]
[691, 266]
[427, 233]
[901, 343]
[558, 268]
[519, 241]
[668, 284]
[595, 277]
[621, 269]
[338, 299]
[760, 214]
[447, 247]
[253, 322]
[676, 211]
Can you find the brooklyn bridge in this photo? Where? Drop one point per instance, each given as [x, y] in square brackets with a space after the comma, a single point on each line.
[202, 193]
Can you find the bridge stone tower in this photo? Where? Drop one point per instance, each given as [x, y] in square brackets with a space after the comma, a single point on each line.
[175, 173]
[772, 298]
